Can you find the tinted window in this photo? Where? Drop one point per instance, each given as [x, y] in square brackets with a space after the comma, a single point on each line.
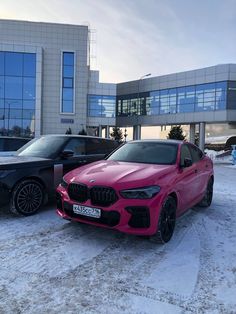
[44, 147]
[196, 153]
[14, 144]
[146, 152]
[77, 145]
[95, 146]
[185, 153]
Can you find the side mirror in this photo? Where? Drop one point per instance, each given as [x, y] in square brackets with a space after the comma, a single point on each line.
[67, 153]
[187, 162]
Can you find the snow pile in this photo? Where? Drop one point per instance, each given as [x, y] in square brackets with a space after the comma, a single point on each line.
[48, 265]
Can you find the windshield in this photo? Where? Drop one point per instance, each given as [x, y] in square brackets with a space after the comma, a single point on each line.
[44, 147]
[146, 152]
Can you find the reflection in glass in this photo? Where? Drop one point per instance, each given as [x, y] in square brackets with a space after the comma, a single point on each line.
[13, 87]
[67, 105]
[17, 91]
[202, 97]
[101, 106]
[29, 88]
[29, 65]
[2, 63]
[13, 64]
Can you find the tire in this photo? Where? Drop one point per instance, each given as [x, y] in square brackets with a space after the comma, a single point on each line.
[27, 197]
[208, 195]
[166, 222]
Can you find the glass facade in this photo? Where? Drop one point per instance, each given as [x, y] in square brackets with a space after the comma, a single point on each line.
[17, 93]
[101, 106]
[204, 97]
[68, 63]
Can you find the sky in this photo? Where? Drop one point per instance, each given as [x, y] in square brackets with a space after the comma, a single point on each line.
[131, 38]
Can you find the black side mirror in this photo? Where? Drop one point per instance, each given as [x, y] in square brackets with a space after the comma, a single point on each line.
[67, 153]
[187, 162]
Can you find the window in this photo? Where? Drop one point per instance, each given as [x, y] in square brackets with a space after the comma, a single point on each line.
[196, 153]
[17, 92]
[101, 106]
[185, 153]
[202, 97]
[77, 145]
[68, 66]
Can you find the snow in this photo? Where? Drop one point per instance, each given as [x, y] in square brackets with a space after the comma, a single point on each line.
[49, 265]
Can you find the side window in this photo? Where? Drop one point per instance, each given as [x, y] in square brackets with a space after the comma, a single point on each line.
[95, 146]
[196, 153]
[112, 145]
[77, 145]
[185, 153]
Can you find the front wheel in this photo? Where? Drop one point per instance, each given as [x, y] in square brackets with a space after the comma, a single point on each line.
[27, 197]
[166, 222]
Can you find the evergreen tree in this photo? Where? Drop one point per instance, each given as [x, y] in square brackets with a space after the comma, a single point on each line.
[68, 131]
[117, 134]
[176, 133]
[82, 132]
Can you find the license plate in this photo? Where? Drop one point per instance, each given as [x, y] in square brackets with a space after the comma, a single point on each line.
[87, 211]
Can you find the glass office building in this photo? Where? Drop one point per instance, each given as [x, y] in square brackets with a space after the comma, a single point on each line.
[17, 93]
[47, 86]
[195, 98]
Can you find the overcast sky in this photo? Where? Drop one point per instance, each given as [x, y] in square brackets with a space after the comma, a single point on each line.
[135, 37]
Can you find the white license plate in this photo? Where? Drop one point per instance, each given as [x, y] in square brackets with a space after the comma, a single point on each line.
[87, 211]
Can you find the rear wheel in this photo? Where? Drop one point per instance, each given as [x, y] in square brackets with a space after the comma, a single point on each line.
[207, 199]
[166, 223]
[27, 197]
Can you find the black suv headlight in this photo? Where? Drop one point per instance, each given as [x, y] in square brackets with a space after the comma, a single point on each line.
[141, 193]
[63, 183]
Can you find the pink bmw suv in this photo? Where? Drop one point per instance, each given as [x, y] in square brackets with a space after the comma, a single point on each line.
[141, 188]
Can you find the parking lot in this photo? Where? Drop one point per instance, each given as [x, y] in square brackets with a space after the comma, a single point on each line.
[49, 265]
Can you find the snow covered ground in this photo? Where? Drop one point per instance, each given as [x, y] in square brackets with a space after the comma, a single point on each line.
[48, 265]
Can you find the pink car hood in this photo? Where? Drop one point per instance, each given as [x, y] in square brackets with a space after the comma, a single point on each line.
[116, 173]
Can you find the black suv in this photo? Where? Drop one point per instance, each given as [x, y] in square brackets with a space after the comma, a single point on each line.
[29, 179]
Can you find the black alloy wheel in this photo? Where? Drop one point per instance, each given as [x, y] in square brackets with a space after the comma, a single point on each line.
[207, 199]
[166, 223]
[27, 197]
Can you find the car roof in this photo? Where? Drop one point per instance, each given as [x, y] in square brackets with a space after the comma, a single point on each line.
[75, 136]
[166, 141]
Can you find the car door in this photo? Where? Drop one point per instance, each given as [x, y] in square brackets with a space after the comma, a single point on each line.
[78, 146]
[201, 166]
[186, 180]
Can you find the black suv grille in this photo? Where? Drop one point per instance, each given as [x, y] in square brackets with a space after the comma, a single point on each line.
[99, 195]
[78, 192]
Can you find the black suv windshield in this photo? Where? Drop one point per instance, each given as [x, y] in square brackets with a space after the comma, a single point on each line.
[146, 152]
[44, 147]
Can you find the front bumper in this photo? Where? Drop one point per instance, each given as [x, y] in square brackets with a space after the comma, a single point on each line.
[139, 217]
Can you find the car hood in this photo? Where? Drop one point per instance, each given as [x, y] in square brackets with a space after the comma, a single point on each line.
[117, 173]
[10, 162]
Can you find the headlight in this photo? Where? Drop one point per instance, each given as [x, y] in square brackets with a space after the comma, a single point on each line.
[63, 183]
[4, 173]
[141, 193]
